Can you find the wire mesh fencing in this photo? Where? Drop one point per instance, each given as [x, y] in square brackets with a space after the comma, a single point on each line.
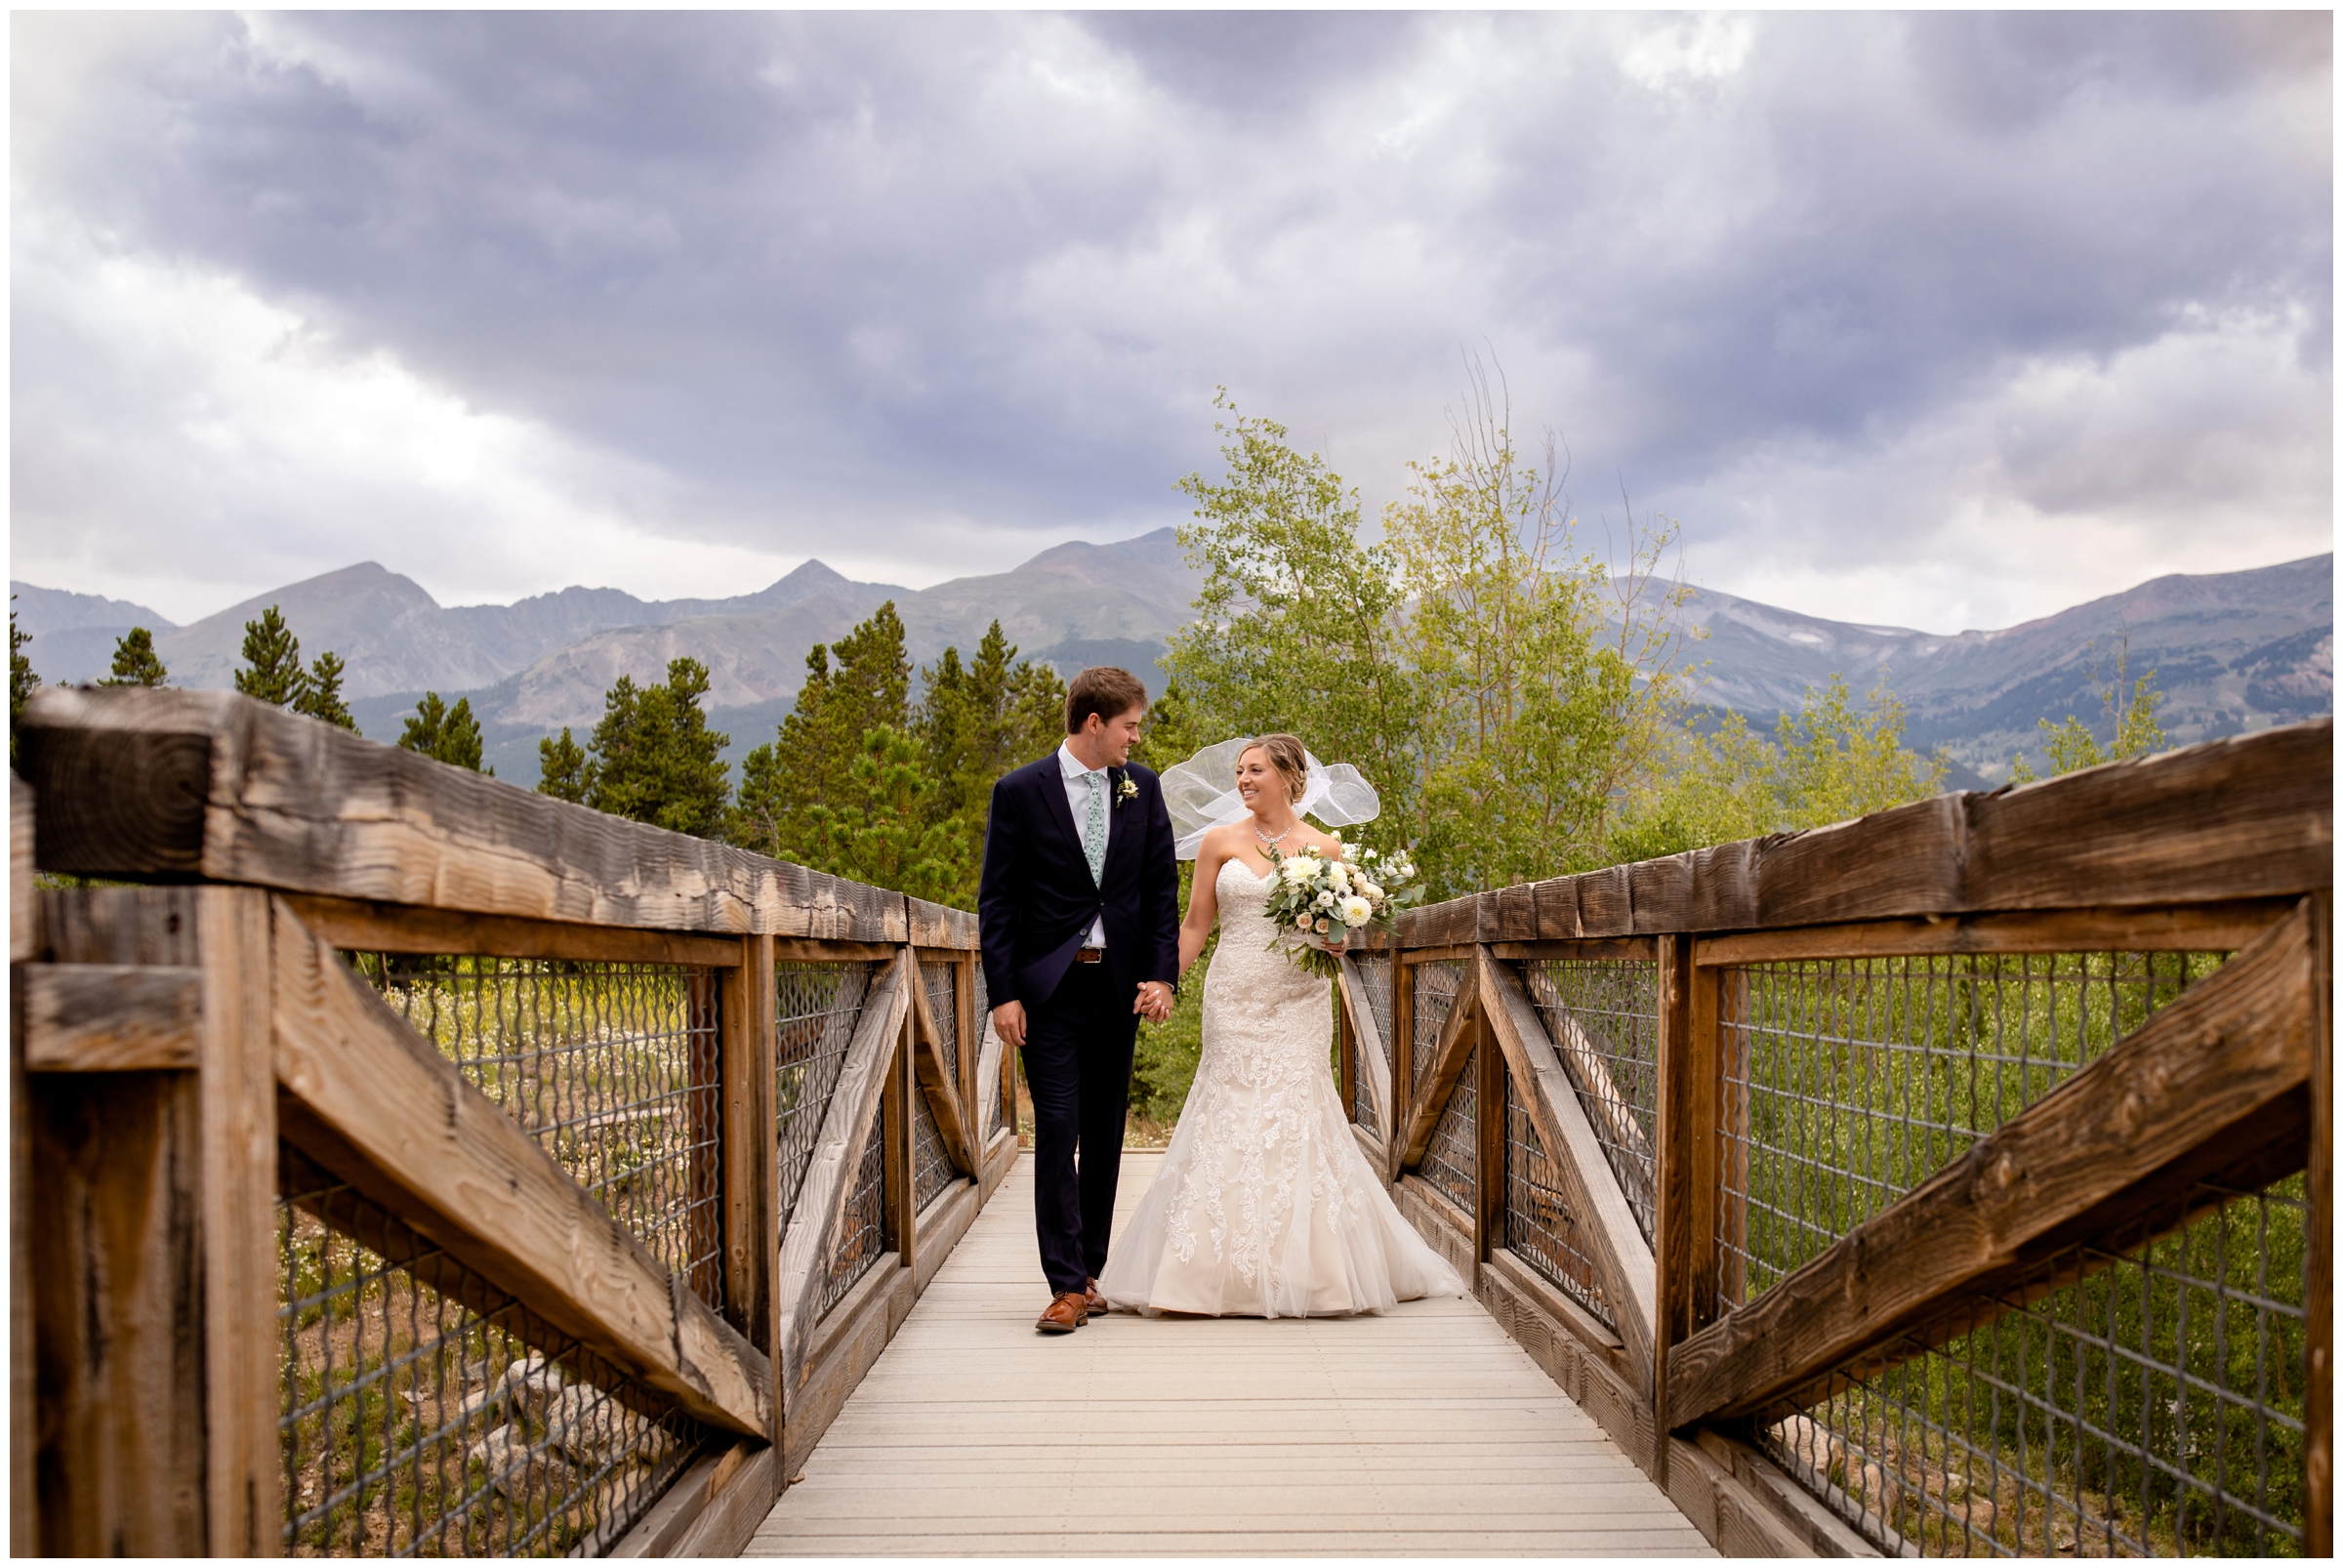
[1849, 1082]
[817, 1007]
[940, 982]
[864, 1231]
[932, 1172]
[1603, 1018]
[1374, 970]
[1434, 992]
[2144, 1403]
[1541, 1228]
[613, 1068]
[424, 1412]
[1451, 1159]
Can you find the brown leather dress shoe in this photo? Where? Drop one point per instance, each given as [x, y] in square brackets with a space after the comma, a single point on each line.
[1094, 1300]
[1067, 1311]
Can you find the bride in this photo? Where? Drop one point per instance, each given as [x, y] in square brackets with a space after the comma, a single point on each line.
[1265, 1204]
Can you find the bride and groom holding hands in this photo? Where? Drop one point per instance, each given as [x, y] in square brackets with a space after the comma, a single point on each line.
[1263, 1206]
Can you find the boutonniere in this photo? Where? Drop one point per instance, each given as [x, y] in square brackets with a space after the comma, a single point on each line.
[1125, 789]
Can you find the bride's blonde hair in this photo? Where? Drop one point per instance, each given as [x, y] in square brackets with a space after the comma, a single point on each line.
[1285, 754]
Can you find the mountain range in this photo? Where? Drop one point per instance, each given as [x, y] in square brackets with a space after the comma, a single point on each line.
[2230, 651]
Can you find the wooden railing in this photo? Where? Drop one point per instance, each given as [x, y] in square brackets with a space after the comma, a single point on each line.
[416, 1163]
[1955, 1180]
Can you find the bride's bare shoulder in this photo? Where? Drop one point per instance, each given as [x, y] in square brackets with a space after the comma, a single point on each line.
[1220, 842]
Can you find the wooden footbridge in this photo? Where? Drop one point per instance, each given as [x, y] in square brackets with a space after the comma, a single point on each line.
[403, 1162]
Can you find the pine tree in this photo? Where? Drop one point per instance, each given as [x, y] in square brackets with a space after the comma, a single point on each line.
[272, 669]
[563, 771]
[445, 735]
[809, 761]
[135, 663]
[1172, 733]
[983, 719]
[321, 694]
[655, 760]
[883, 831]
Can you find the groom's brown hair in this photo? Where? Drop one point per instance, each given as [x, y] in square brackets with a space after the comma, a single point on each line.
[1104, 690]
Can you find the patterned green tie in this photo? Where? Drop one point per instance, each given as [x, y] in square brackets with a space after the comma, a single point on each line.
[1093, 832]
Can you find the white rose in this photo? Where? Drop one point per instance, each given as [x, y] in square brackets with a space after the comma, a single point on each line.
[1355, 910]
[1324, 900]
[1340, 876]
[1368, 888]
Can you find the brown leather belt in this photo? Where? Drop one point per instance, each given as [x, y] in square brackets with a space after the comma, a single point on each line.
[1091, 955]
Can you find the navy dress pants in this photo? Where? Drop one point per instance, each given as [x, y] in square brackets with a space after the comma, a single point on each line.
[1077, 1047]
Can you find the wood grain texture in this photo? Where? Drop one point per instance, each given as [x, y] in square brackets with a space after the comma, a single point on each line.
[723, 1480]
[1417, 1433]
[237, 1094]
[1372, 1059]
[847, 1123]
[1819, 1532]
[2248, 817]
[1438, 1080]
[117, 1280]
[1509, 915]
[1589, 1186]
[939, 925]
[375, 1104]
[2217, 1078]
[2184, 928]
[1516, 1299]
[110, 1017]
[1684, 1243]
[937, 1069]
[165, 783]
[751, 1176]
[362, 927]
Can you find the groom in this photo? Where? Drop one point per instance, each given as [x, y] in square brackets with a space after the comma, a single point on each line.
[1079, 914]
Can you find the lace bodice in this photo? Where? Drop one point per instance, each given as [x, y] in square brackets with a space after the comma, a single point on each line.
[1265, 1204]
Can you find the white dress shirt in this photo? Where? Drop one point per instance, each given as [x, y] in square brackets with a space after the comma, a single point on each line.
[1078, 797]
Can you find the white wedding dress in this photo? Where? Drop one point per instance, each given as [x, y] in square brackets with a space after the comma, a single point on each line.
[1265, 1204]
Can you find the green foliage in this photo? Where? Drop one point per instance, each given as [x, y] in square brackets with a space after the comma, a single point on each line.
[21, 679]
[1826, 763]
[272, 673]
[321, 694]
[1298, 626]
[563, 771]
[883, 831]
[860, 783]
[2131, 725]
[1172, 733]
[655, 760]
[808, 765]
[982, 718]
[135, 663]
[1500, 686]
[272, 668]
[449, 734]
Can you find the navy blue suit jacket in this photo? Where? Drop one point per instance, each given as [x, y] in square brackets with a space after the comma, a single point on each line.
[1036, 900]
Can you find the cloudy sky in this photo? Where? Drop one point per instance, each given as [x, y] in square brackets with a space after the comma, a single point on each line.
[1943, 320]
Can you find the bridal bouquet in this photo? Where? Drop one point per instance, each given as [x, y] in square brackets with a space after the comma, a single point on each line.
[1316, 902]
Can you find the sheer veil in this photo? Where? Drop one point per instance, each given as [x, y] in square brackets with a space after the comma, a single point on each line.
[1201, 794]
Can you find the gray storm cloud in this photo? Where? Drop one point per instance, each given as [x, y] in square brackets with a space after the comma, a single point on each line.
[1961, 316]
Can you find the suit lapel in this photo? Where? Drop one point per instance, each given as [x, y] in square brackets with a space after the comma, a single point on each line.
[1059, 809]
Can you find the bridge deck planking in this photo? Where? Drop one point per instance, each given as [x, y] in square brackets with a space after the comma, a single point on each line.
[1424, 1432]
